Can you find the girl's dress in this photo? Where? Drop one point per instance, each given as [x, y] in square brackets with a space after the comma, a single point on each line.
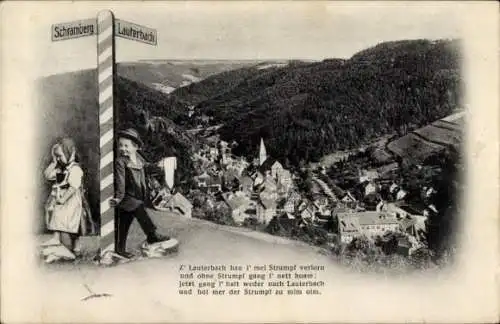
[74, 215]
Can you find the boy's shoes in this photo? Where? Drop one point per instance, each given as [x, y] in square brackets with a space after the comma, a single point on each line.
[125, 254]
[157, 238]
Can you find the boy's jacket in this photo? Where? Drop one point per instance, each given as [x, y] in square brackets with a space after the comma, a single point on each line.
[130, 182]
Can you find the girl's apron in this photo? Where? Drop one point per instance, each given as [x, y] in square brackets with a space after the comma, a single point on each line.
[74, 215]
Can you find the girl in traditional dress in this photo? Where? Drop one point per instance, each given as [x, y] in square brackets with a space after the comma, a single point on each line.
[67, 212]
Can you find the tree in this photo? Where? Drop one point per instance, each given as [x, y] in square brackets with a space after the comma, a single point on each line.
[220, 215]
[448, 187]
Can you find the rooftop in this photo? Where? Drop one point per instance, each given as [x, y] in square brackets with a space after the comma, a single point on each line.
[407, 222]
[413, 209]
[204, 175]
[268, 203]
[349, 221]
[180, 200]
[268, 163]
[339, 192]
[236, 201]
[246, 180]
[294, 195]
[268, 184]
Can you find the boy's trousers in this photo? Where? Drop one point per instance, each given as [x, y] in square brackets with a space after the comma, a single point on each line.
[124, 220]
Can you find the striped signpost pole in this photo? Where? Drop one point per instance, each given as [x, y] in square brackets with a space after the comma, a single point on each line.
[105, 75]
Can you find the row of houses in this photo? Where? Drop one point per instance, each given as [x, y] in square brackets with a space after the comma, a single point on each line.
[374, 181]
[248, 190]
[389, 214]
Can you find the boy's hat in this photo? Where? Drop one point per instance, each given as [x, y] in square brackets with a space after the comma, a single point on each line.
[131, 134]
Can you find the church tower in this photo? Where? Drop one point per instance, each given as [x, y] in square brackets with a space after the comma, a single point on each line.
[262, 152]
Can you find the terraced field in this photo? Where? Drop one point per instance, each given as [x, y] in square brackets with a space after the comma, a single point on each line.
[431, 139]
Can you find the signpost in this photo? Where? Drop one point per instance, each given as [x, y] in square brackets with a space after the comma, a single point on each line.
[74, 29]
[105, 76]
[135, 32]
[105, 27]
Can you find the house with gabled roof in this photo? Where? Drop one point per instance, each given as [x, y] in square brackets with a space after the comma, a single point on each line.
[370, 188]
[271, 166]
[368, 175]
[238, 203]
[322, 204]
[237, 165]
[202, 178]
[180, 204]
[246, 184]
[407, 225]
[309, 211]
[267, 188]
[269, 184]
[231, 179]
[418, 213]
[291, 201]
[301, 204]
[266, 209]
[348, 197]
[208, 183]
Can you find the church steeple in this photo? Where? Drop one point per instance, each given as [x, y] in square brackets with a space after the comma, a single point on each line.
[262, 152]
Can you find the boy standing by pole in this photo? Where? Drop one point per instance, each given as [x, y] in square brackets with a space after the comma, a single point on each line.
[131, 192]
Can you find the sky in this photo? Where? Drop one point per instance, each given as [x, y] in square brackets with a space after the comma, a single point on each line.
[236, 30]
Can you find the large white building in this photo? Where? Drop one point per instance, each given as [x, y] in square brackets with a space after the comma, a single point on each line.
[368, 223]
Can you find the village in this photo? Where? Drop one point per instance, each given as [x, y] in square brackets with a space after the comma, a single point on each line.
[262, 194]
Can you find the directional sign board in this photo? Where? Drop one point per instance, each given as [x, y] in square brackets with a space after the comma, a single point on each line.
[135, 32]
[74, 29]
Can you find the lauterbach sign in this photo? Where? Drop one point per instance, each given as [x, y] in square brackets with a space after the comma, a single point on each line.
[135, 32]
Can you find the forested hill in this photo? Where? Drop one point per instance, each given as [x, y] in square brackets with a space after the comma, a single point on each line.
[305, 110]
[143, 108]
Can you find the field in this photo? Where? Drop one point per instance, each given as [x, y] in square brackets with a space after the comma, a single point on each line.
[428, 140]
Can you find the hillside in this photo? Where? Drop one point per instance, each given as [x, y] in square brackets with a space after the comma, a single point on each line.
[167, 76]
[430, 140]
[305, 110]
[144, 109]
